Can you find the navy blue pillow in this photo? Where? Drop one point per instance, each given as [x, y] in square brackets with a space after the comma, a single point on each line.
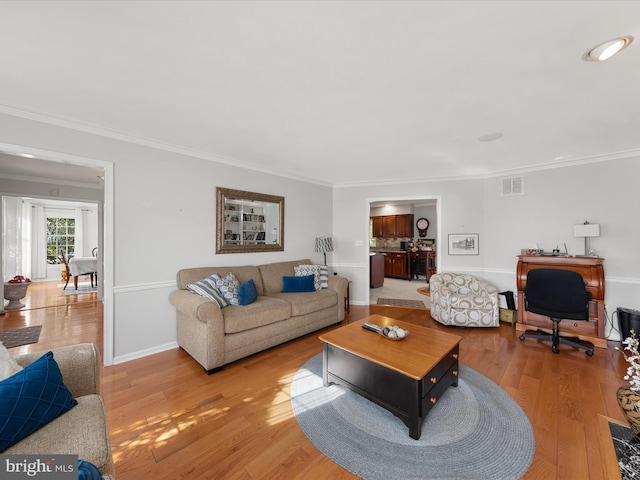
[32, 398]
[247, 292]
[298, 284]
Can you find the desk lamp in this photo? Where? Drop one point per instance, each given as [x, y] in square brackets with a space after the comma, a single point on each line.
[587, 230]
[324, 245]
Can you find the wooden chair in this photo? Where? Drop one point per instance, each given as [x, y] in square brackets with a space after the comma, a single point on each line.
[65, 260]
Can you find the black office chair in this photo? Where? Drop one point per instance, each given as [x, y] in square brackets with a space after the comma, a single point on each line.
[557, 294]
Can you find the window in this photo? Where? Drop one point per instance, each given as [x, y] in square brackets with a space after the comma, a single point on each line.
[61, 234]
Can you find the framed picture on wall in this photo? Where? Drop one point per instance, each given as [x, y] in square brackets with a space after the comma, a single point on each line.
[463, 244]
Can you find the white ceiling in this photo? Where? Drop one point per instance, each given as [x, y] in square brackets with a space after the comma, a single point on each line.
[337, 92]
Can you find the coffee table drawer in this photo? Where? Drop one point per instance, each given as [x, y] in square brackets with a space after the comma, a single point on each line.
[432, 378]
[449, 378]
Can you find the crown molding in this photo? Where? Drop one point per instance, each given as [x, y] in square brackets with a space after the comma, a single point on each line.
[116, 135]
[167, 147]
[501, 173]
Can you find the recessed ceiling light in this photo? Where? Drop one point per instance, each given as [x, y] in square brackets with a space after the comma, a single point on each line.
[490, 137]
[608, 49]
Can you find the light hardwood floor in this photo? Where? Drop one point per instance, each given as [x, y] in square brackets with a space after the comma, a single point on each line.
[170, 420]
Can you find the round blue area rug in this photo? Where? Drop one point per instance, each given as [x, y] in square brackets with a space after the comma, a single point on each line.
[475, 431]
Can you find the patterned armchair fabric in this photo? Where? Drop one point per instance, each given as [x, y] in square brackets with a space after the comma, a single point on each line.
[463, 300]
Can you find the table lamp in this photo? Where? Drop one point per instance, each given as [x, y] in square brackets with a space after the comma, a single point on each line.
[324, 245]
[587, 230]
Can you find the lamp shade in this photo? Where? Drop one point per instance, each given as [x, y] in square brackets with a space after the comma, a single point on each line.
[586, 230]
[324, 244]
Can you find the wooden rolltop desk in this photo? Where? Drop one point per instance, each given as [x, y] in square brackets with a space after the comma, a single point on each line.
[592, 271]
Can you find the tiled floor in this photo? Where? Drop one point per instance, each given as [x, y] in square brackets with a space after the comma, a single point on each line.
[401, 289]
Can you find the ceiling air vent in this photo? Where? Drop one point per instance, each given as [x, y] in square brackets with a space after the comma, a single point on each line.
[513, 186]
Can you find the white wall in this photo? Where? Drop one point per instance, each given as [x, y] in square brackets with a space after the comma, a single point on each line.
[553, 202]
[164, 220]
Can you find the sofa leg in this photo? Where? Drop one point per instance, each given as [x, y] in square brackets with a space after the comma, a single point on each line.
[214, 370]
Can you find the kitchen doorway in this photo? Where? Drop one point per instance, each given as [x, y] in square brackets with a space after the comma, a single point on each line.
[428, 208]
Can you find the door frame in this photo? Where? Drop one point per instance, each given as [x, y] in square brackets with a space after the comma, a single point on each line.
[413, 199]
[107, 233]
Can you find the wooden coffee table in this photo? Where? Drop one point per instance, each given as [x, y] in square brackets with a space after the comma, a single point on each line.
[405, 377]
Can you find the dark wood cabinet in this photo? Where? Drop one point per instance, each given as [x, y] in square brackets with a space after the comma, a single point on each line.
[389, 226]
[393, 226]
[404, 225]
[592, 271]
[376, 271]
[395, 265]
[377, 226]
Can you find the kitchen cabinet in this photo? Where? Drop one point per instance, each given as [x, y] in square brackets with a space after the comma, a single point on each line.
[376, 270]
[377, 226]
[389, 226]
[395, 265]
[393, 226]
[404, 225]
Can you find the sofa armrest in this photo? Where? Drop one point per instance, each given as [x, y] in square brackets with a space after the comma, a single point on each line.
[339, 285]
[80, 366]
[195, 306]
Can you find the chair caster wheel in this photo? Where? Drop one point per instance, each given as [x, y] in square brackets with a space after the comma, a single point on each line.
[522, 337]
[589, 353]
[554, 349]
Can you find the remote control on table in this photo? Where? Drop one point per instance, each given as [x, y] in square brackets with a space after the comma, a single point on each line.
[372, 327]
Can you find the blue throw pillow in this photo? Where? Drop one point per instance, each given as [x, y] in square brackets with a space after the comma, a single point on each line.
[247, 292]
[298, 284]
[32, 398]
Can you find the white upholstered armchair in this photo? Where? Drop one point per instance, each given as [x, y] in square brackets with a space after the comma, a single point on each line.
[463, 300]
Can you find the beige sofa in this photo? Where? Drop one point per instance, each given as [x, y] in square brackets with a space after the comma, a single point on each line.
[216, 336]
[83, 429]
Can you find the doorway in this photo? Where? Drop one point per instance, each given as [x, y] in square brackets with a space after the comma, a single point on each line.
[34, 179]
[428, 207]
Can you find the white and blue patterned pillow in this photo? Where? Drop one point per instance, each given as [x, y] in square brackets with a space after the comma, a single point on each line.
[207, 288]
[319, 272]
[228, 286]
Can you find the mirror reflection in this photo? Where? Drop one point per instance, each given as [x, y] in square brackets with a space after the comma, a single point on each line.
[248, 221]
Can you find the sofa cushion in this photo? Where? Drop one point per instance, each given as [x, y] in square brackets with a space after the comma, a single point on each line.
[32, 398]
[308, 302]
[298, 284]
[208, 288]
[228, 286]
[272, 274]
[263, 311]
[82, 431]
[247, 293]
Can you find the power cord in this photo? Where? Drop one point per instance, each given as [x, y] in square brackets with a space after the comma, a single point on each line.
[609, 320]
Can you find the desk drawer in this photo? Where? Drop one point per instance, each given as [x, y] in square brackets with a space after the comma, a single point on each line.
[566, 327]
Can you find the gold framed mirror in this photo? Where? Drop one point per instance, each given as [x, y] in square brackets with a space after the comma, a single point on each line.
[248, 222]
